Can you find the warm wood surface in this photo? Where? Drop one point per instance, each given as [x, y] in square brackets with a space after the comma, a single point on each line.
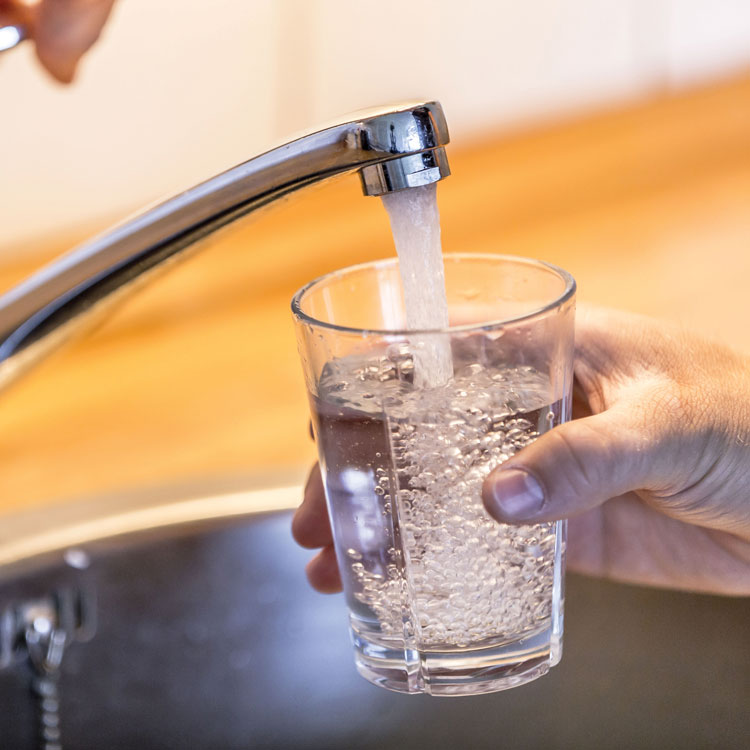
[197, 377]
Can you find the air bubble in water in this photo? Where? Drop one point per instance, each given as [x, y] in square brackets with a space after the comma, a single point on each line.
[471, 578]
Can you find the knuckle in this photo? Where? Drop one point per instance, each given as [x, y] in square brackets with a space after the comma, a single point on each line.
[566, 449]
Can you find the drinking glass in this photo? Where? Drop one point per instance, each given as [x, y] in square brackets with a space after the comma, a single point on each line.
[442, 599]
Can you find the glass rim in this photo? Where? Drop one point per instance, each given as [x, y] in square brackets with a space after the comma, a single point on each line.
[567, 294]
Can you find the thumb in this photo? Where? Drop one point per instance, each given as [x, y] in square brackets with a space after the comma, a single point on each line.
[573, 468]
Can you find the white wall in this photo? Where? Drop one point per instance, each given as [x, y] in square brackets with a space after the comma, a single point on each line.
[172, 94]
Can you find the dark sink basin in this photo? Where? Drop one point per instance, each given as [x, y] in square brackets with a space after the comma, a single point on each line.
[208, 637]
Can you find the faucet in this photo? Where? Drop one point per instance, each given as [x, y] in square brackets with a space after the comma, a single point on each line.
[392, 148]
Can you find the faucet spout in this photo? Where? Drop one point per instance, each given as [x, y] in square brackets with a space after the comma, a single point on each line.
[392, 148]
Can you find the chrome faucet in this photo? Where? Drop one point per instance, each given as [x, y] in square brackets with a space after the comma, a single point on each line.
[391, 148]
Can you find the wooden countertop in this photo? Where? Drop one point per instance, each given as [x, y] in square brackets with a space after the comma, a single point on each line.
[196, 378]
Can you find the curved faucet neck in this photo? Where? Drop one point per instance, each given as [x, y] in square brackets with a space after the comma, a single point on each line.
[393, 149]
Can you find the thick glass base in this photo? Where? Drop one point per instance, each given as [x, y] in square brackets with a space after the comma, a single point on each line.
[469, 671]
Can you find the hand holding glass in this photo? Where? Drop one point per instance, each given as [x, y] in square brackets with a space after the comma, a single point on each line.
[442, 599]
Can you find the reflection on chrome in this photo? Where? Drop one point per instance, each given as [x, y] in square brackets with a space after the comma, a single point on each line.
[10, 36]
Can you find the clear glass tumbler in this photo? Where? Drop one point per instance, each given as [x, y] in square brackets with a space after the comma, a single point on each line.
[442, 599]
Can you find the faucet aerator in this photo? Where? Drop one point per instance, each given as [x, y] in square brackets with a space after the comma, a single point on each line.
[405, 172]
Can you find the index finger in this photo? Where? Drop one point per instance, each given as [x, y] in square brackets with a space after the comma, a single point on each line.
[311, 526]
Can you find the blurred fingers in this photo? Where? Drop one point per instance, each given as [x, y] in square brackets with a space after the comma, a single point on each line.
[311, 527]
[64, 30]
[323, 572]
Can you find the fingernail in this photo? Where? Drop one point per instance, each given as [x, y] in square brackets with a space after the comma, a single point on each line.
[514, 496]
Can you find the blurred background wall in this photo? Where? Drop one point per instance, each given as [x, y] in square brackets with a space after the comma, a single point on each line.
[178, 90]
[611, 137]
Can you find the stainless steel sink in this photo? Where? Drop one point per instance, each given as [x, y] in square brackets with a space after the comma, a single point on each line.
[208, 636]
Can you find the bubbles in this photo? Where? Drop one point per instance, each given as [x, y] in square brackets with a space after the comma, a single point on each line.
[469, 578]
